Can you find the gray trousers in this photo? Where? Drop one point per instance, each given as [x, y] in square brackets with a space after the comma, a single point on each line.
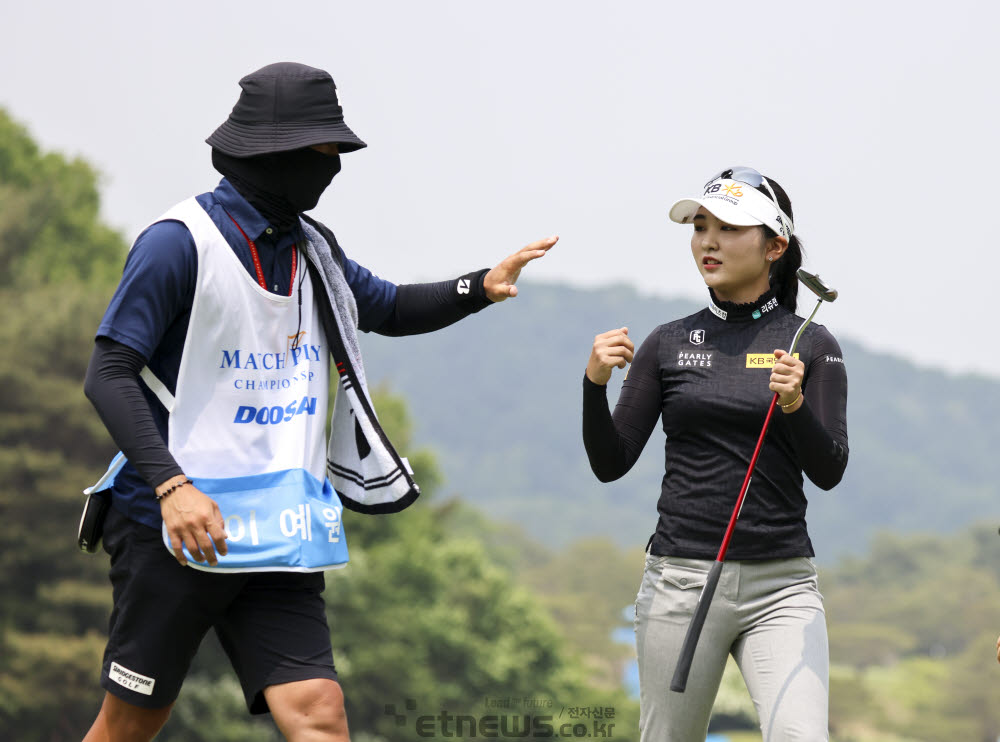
[767, 614]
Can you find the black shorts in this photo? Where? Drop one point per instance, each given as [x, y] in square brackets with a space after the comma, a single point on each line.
[272, 625]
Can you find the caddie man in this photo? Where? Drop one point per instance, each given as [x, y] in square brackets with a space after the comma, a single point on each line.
[211, 372]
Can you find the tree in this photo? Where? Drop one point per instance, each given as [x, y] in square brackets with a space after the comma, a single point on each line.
[916, 621]
[56, 264]
[50, 231]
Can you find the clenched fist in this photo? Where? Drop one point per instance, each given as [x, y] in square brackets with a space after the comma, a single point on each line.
[612, 348]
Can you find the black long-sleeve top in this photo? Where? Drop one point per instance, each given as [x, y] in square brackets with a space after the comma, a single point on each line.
[706, 376]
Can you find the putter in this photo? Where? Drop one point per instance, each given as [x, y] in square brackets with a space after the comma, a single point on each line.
[679, 682]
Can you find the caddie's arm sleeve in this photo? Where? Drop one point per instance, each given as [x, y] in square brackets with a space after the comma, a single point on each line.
[425, 307]
[819, 426]
[112, 386]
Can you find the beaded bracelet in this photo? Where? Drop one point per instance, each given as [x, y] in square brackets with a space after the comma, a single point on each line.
[171, 488]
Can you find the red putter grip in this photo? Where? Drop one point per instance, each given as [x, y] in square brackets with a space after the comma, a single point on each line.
[679, 682]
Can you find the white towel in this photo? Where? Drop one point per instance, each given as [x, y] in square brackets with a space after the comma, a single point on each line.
[362, 464]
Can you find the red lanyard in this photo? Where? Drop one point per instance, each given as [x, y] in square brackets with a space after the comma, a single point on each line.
[256, 259]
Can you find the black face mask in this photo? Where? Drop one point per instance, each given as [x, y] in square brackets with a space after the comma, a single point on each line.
[280, 185]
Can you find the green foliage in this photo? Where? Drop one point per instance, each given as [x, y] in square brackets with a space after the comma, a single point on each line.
[913, 628]
[56, 261]
[212, 710]
[970, 690]
[585, 587]
[49, 226]
[863, 644]
[47, 683]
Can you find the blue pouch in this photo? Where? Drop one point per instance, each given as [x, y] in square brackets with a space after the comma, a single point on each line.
[286, 521]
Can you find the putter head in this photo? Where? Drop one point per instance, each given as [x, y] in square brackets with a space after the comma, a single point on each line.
[816, 285]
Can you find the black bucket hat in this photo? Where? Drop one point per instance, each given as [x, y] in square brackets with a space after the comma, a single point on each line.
[284, 106]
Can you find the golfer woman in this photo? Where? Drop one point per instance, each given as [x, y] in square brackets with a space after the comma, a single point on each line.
[710, 378]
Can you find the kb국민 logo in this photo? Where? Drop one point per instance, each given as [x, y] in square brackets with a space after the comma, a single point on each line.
[730, 193]
[762, 360]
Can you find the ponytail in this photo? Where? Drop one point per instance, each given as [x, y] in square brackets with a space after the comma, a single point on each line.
[784, 280]
[783, 275]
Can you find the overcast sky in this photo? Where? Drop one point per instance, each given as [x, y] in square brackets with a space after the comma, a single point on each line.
[491, 124]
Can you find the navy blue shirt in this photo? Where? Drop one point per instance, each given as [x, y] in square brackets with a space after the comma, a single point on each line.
[151, 307]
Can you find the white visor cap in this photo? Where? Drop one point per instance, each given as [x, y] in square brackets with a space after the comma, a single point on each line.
[736, 203]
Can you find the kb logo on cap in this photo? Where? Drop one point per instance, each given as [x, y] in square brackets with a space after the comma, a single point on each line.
[733, 189]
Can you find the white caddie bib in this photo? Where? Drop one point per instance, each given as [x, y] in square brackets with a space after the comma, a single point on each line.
[248, 419]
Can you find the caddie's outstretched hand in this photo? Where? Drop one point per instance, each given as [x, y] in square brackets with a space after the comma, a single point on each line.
[611, 349]
[193, 520]
[499, 282]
